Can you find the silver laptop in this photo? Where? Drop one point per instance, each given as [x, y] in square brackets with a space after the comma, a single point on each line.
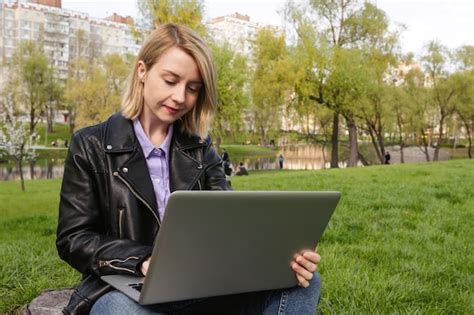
[226, 242]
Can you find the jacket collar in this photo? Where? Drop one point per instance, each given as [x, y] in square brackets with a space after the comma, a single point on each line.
[120, 136]
[123, 147]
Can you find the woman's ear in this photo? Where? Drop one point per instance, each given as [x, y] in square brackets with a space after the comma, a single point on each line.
[141, 70]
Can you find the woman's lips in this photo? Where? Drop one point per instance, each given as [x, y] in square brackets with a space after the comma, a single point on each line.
[171, 110]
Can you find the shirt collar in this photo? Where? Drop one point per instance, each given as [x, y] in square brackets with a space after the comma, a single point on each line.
[145, 142]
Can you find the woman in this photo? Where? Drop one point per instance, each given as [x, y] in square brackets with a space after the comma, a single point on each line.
[119, 175]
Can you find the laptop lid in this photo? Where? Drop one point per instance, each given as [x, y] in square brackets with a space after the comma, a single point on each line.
[216, 243]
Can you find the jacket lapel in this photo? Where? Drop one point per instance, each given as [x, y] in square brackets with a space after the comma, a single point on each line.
[186, 163]
[126, 156]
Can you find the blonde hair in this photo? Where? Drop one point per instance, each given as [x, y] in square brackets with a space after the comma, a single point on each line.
[198, 120]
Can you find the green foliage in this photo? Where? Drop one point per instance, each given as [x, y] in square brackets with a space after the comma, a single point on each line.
[32, 83]
[232, 76]
[185, 12]
[271, 81]
[399, 241]
[95, 90]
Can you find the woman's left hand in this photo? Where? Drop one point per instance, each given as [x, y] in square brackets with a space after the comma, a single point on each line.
[304, 264]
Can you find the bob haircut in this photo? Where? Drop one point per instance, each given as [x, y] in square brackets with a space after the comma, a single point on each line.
[197, 121]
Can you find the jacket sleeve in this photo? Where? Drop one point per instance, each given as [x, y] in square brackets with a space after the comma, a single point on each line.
[82, 234]
[215, 177]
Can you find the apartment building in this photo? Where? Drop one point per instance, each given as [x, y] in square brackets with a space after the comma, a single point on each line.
[64, 34]
[236, 30]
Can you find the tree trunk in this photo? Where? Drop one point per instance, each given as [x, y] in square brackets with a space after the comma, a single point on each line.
[32, 121]
[353, 156]
[363, 159]
[334, 141]
[425, 145]
[380, 139]
[72, 121]
[400, 138]
[374, 142]
[32, 169]
[324, 154]
[469, 136]
[20, 169]
[440, 138]
[50, 118]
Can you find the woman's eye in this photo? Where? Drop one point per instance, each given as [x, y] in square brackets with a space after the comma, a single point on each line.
[170, 82]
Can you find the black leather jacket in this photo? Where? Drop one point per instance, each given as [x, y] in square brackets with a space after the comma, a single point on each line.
[108, 212]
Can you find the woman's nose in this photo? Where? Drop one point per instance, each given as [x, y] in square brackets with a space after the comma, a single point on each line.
[179, 93]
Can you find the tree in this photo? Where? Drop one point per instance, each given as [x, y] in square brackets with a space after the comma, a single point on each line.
[16, 142]
[443, 91]
[271, 81]
[32, 80]
[326, 28]
[232, 74]
[95, 92]
[185, 12]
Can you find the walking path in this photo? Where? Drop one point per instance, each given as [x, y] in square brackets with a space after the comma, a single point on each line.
[414, 154]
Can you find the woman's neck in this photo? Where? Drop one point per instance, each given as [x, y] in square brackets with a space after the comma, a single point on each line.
[154, 129]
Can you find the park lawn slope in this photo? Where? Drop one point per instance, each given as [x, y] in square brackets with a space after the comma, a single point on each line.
[399, 241]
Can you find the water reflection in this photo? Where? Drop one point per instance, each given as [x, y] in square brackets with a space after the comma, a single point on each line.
[41, 169]
[296, 157]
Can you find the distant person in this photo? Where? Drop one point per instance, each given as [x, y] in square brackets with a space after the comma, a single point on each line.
[241, 171]
[281, 160]
[387, 157]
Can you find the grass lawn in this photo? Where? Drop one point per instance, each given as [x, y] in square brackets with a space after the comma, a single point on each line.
[399, 241]
[60, 132]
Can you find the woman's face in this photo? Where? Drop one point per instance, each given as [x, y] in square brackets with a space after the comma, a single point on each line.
[171, 86]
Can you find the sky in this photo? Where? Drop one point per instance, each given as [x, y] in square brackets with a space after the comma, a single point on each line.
[451, 22]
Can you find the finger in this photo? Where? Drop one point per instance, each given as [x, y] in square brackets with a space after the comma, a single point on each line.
[308, 265]
[302, 271]
[312, 256]
[302, 282]
[144, 268]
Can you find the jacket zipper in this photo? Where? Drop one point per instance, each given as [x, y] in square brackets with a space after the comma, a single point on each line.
[121, 211]
[109, 263]
[117, 174]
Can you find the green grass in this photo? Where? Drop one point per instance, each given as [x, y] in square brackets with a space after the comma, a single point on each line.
[399, 242]
[60, 132]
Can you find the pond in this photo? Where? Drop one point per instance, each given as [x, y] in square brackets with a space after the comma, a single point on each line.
[47, 168]
[296, 157]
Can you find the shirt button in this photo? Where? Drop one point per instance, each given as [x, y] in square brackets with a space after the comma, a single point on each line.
[109, 147]
[125, 170]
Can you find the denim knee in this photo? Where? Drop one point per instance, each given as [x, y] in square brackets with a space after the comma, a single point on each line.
[116, 303]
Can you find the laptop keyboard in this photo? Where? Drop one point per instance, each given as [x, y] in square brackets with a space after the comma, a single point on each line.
[136, 286]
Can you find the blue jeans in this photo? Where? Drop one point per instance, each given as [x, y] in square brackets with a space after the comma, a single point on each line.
[294, 300]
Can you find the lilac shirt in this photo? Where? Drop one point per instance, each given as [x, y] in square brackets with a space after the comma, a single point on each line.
[157, 161]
